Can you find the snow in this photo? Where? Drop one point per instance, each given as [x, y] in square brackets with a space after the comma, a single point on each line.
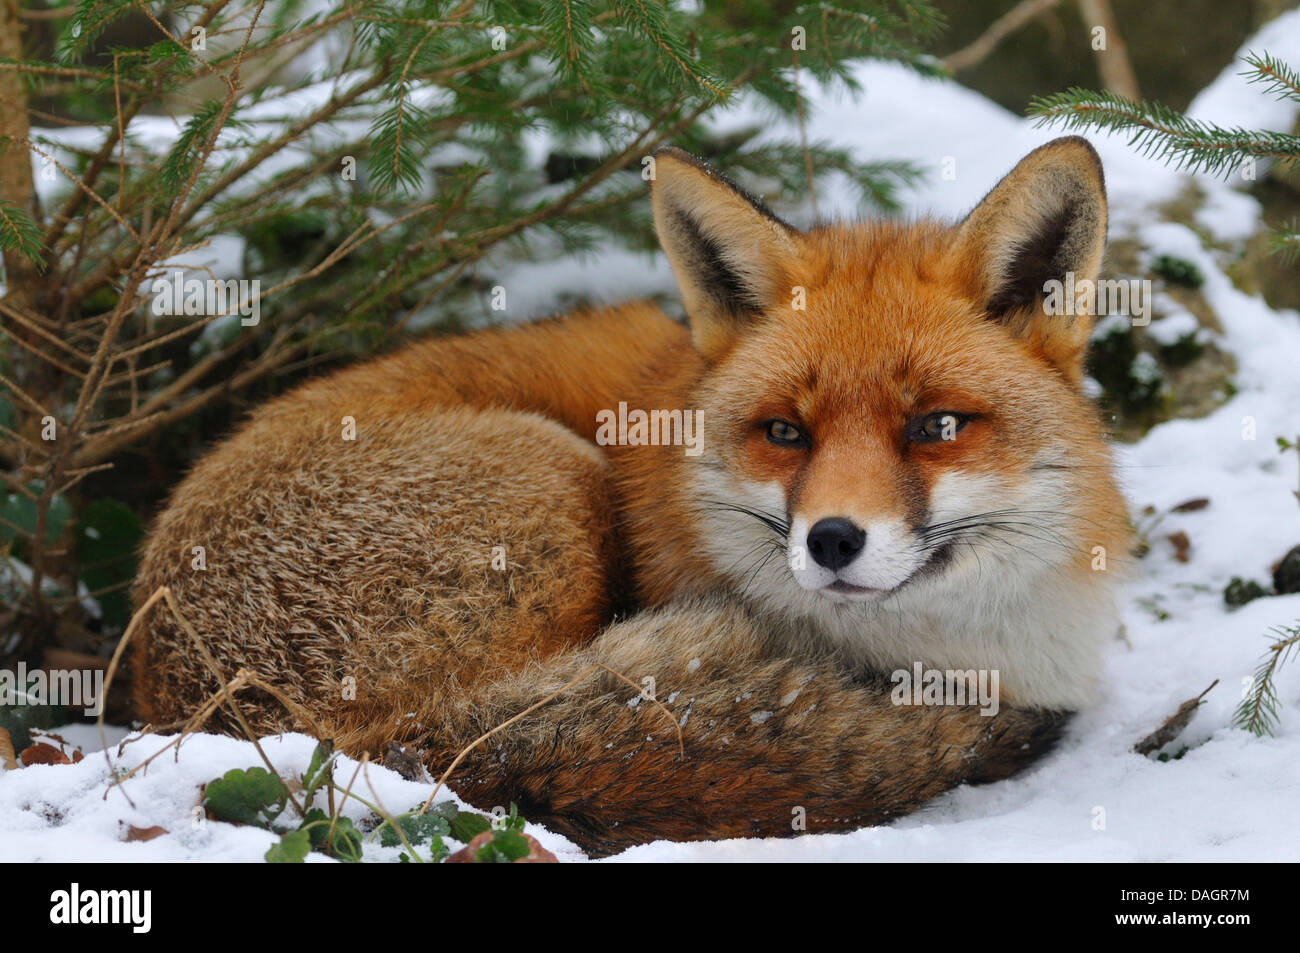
[1174, 327]
[1232, 101]
[91, 819]
[1230, 796]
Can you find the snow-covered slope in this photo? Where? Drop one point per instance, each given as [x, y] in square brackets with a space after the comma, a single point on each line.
[1231, 796]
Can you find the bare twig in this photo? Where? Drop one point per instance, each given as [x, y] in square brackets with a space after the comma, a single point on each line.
[1113, 64]
[1010, 22]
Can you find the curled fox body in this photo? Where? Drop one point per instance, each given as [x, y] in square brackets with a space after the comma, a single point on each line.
[894, 464]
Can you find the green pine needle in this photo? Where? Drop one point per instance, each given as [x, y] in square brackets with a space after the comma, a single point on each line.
[1284, 241]
[87, 23]
[19, 233]
[1274, 75]
[573, 40]
[1164, 133]
[399, 138]
[651, 18]
[1258, 711]
[176, 169]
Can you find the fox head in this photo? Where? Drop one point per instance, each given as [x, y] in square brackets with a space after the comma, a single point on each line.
[895, 422]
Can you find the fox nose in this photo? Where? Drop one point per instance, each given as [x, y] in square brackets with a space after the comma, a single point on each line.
[835, 542]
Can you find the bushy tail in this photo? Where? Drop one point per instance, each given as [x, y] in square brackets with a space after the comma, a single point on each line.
[772, 746]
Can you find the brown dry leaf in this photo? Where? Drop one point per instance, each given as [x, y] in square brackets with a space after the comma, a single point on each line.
[537, 854]
[55, 740]
[134, 833]
[1173, 726]
[1182, 545]
[7, 760]
[1191, 506]
[466, 854]
[42, 753]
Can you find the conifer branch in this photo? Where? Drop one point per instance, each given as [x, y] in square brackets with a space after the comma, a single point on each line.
[1259, 709]
[1163, 133]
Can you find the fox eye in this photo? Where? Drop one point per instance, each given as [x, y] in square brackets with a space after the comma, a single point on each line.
[940, 425]
[785, 434]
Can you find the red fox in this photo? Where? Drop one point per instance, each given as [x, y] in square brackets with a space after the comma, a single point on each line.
[869, 453]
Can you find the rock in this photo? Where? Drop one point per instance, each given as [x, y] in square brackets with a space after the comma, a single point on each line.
[1286, 575]
[404, 762]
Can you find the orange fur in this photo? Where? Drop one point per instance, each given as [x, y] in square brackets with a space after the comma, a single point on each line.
[465, 554]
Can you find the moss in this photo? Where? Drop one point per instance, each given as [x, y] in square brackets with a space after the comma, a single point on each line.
[1241, 591]
[1132, 387]
[1183, 351]
[1143, 380]
[1178, 271]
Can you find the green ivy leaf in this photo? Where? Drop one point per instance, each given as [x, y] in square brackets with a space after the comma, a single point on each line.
[320, 770]
[465, 826]
[292, 848]
[344, 844]
[438, 851]
[512, 821]
[418, 828]
[316, 823]
[505, 847]
[254, 796]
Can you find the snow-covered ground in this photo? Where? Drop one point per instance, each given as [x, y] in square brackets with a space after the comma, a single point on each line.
[1231, 796]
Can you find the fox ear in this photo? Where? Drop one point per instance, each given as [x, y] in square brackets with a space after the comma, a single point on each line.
[731, 256]
[1045, 221]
